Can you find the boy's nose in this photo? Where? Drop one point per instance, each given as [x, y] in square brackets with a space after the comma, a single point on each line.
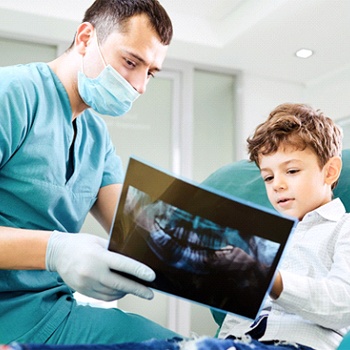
[279, 184]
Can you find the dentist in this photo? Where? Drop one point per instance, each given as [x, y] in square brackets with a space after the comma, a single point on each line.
[57, 164]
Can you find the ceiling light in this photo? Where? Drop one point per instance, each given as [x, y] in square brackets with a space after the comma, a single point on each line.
[304, 53]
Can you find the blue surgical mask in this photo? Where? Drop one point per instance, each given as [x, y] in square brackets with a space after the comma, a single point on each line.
[109, 93]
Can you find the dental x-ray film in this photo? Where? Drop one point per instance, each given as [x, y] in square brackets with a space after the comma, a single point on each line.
[204, 245]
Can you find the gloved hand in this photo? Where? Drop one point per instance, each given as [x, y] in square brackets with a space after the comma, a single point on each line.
[84, 264]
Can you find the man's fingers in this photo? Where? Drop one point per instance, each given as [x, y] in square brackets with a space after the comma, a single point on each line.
[118, 262]
[118, 285]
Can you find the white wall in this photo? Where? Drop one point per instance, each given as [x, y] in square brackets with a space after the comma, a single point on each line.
[258, 96]
[331, 94]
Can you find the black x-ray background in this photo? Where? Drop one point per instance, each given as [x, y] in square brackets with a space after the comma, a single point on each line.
[203, 246]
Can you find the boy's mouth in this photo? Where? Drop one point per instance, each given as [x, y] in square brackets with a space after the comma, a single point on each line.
[284, 200]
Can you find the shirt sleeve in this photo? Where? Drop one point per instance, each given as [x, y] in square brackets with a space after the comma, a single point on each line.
[113, 172]
[324, 300]
[14, 112]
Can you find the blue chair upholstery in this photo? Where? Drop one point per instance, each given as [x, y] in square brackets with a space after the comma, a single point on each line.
[345, 344]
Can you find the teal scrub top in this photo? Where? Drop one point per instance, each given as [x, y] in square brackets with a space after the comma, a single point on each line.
[45, 185]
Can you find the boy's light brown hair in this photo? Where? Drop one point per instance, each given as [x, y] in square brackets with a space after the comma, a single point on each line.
[299, 126]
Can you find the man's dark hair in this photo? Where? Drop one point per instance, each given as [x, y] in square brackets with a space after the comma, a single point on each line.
[109, 15]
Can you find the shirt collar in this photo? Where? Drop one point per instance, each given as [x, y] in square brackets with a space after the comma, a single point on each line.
[332, 211]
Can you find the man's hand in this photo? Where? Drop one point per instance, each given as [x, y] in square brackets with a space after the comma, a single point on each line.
[85, 264]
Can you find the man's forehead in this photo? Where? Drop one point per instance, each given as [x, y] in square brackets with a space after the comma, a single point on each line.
[147, 50]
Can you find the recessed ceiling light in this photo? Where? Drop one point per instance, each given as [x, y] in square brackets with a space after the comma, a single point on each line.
[304, 53]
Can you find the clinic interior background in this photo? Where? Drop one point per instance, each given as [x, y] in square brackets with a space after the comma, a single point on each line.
[231, 62]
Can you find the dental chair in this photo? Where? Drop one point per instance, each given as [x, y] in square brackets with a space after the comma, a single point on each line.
[242, 179]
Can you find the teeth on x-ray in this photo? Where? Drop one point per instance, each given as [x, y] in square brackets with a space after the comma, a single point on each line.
[188, 244]
[193, 243]
[173, 250]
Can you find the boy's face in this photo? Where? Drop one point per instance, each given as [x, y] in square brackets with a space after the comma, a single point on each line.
[294, 182]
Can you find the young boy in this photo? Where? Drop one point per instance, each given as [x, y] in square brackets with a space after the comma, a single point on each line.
[298, 151]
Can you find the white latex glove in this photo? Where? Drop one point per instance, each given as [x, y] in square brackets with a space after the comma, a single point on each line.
[84, 263]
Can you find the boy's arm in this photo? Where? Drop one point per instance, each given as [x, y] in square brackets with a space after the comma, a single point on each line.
[323, 299]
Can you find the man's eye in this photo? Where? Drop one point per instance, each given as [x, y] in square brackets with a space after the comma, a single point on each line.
[130, 63]
[151, 75]
[293, 171]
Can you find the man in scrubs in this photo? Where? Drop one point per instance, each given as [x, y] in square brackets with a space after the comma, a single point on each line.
[57, 163]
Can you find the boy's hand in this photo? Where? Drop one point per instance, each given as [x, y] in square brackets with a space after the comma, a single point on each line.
[277, 286]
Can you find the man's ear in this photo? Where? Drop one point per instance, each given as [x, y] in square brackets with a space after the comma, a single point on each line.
[83, 37]
[332, 170]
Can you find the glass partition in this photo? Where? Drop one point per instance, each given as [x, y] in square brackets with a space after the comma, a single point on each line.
[213, 125]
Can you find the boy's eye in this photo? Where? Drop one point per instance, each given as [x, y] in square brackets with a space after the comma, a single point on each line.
[268, 178]
[293, 171]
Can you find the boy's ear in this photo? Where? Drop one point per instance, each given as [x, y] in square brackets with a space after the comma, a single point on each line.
[332, 170]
